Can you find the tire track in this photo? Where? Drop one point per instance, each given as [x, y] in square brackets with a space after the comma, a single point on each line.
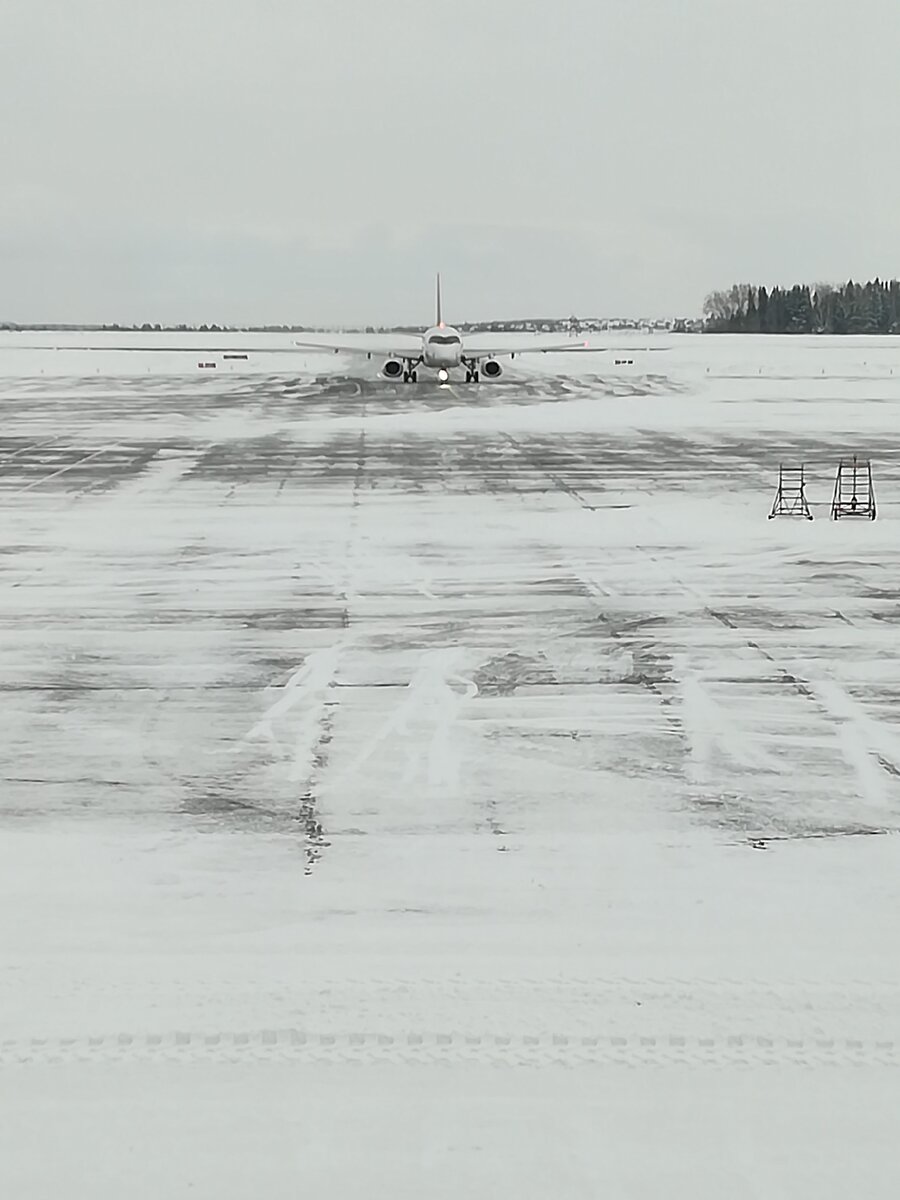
[831, 703]
[876, 754]
[310, 816]
[372, 1048]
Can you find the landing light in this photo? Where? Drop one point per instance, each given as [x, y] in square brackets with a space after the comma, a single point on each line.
[443, 375]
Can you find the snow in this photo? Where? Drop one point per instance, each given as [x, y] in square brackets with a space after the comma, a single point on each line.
[447, 790]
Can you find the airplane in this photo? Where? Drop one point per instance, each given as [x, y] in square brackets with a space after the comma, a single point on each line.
[441, 349]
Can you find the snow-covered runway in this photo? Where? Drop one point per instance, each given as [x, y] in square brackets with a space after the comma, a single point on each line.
[467, 789]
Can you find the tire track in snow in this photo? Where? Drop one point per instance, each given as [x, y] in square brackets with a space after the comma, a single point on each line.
[709, 730]
[162, 475]
[861, 752]
[865, 741]
[311, 689]
[869, 751]
[309, 807]
[312, 754]
[435, 706]
[858, 757]
[634, 647]
[413, 1048]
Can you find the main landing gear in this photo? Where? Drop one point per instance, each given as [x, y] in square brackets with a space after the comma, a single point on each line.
[409, 373]
[471, 366]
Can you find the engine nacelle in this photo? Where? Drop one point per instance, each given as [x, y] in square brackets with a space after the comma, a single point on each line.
[491, 369]
[393, 368]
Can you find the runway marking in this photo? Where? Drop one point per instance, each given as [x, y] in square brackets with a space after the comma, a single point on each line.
[69, 467]
[31, 446]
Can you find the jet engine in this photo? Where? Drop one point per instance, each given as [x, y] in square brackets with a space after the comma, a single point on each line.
[393, 368]
[491, 369]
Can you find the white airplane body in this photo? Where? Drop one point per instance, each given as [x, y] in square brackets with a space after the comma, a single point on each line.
[441, 348]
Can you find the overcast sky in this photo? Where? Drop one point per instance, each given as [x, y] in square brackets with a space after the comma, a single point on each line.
[318, 160]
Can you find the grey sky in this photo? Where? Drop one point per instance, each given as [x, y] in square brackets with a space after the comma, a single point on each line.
[317, 161]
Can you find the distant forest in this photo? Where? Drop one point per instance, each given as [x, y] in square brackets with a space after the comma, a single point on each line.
[872, 307]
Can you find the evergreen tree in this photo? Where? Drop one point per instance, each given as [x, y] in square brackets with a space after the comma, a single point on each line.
[872, 308]
[751, 321]
[763, 311]
[777, 311]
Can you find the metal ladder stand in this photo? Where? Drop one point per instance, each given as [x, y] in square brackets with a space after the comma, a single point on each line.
[854, 495]
[790, 499]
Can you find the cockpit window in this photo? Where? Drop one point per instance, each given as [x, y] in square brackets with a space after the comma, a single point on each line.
[444, 339]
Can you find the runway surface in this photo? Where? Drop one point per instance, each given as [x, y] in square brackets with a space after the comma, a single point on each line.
[487, 739]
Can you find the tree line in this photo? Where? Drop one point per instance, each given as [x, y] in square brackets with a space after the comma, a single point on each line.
[872, 307]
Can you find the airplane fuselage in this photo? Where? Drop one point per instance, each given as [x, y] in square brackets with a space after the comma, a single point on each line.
[442, 347]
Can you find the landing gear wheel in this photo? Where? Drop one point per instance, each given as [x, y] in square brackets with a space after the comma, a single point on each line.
[474, 376]
[413, 377]
[406, 376]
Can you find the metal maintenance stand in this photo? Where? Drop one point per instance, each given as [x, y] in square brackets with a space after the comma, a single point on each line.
[854, 495]
[790, 499]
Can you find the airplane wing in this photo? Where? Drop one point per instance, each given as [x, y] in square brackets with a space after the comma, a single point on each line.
[212, 350]
[393, 350]
[478, 352]
[572, 346]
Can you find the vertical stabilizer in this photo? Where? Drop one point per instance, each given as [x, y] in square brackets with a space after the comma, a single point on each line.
[439, 320]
